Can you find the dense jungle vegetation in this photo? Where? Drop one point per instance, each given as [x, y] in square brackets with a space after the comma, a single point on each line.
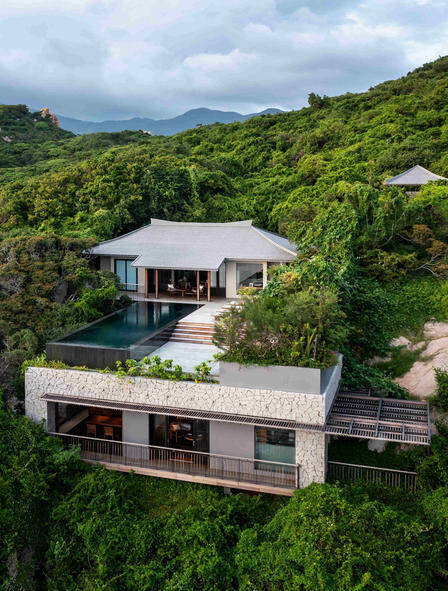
[373, 264]
[66, 525]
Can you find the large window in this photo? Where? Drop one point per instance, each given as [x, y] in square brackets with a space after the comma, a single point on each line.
[249, 275]
[127, 274]
[180, 433]
[274, 445]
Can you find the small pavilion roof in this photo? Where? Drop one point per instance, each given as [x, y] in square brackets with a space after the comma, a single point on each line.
[197, 246]
[417, 175]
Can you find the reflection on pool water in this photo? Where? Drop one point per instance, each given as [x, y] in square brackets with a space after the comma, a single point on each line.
[130, 325]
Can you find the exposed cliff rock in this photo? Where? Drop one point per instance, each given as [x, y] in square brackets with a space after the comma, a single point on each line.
[420, 379]
[45, 114]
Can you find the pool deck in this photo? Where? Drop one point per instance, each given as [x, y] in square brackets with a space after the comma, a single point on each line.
[188, 355]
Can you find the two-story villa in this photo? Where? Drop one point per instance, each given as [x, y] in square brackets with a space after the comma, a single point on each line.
[253, 428]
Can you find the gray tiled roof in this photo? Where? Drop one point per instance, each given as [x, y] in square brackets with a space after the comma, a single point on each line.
[417, 175]
[197, 246]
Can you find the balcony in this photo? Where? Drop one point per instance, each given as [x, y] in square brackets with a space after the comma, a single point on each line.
[191, 466]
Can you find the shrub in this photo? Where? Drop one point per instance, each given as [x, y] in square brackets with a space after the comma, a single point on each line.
[302, 329]
[440, 398]
[323, 539]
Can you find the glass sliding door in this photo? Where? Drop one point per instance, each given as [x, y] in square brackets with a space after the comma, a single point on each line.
[127, 274]
[274, 445]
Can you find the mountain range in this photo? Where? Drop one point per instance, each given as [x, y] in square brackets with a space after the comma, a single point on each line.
[171, 126]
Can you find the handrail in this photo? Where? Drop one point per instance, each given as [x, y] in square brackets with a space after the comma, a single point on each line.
[158, 460]
[203, 453]
[344, 472]
[373, 468]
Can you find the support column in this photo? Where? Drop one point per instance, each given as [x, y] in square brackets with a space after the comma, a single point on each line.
[157, 283]
[311, 457]
[52, 417]
[197, 286]
[208, 286]
[146, 283]
[265, 274]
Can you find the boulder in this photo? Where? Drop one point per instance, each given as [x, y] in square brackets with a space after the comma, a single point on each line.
[377, 445]
[420, 379]
[435, 330]
[400, 342]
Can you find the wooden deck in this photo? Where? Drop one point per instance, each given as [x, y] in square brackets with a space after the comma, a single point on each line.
[224, 482]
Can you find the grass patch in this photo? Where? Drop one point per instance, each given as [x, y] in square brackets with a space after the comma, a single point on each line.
[400, 362]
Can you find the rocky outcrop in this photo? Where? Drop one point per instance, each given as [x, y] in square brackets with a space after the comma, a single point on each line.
[45, 114]
[420, 379]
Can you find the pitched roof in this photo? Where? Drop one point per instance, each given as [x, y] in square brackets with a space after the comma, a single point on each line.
[197, 246]
[417, 175]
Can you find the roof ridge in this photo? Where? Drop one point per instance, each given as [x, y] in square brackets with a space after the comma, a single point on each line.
[122, 235]
[241, 223]
[261, 233]
[391, 180]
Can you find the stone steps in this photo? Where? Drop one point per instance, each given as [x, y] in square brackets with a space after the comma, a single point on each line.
[192, 332]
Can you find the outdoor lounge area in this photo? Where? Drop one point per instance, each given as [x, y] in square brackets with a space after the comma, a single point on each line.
[180, 284]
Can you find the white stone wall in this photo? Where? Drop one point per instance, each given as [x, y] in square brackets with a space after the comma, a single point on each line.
[35, 407]
[231, 280]
[311, 457]
[304, 408]
[232, 439]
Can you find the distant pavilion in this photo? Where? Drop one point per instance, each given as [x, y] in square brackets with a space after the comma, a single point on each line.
[414, 177]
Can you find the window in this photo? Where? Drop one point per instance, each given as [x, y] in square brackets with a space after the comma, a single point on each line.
[274, 445]
[179, 433]
[126, 274]
[249, 275]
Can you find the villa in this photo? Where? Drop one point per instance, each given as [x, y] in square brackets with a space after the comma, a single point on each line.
[254, 428]
[193, 259]
[413, 179]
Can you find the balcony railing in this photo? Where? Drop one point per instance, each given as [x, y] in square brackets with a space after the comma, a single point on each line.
[214, 466]
[129, 286]
[345, 473]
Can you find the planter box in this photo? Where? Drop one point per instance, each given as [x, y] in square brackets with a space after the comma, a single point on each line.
[303, 380]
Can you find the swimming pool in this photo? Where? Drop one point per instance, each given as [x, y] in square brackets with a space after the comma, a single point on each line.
[134, 331]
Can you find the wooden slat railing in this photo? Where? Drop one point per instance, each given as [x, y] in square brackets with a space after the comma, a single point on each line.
[341, 472]
[229, 468]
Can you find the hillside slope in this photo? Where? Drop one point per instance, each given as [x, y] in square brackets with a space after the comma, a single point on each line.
[21, 132]
[260, 168]
[32, 143]
[317, 174]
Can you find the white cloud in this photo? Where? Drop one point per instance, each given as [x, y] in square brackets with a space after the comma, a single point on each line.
[118, 58]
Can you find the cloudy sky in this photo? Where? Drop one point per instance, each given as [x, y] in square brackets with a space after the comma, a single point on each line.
[112, 59]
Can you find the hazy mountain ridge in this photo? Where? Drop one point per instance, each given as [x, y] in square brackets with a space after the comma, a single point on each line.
[188, 120]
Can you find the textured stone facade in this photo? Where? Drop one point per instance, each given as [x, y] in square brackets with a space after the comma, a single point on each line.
[303, 408]
[311, 456]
